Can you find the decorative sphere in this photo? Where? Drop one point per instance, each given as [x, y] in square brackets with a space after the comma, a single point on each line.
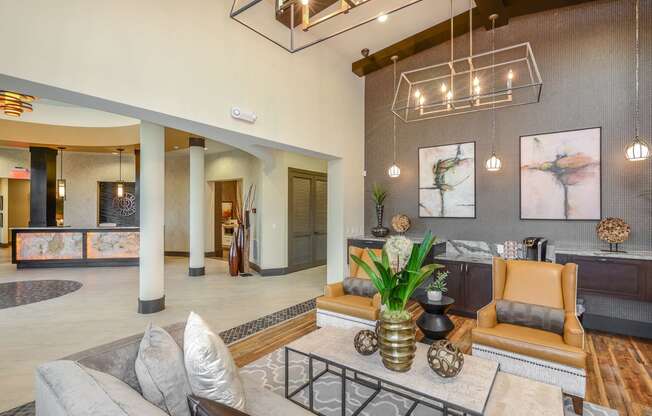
[401, 223]
[366, 342]
[613, 230]
[445, 359]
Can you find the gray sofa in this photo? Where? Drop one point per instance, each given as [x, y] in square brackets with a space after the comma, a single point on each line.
[62, 389]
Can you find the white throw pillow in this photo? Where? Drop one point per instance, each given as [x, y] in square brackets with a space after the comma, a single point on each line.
[161, 372]
[211, 370]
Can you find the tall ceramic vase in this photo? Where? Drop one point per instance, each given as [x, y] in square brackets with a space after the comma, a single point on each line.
[234, 256]
[397, 343]
[379, 230]
[240, 242]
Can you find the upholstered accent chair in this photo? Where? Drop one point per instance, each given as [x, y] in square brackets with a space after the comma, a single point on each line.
[549, 357]
[336, 308]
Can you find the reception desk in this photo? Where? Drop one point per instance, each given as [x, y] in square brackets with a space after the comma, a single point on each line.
[74, 247]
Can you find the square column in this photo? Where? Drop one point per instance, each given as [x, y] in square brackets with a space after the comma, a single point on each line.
[152, 216]
[196, 207]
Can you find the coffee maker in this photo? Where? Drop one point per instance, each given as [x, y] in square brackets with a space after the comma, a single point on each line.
[535, 248]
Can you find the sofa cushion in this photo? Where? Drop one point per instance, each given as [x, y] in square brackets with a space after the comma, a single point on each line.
[359, 287]
[534, 282]
[211, 370]
[535, 343]
[205, 407]
[80, 391]
[532, 316]
[161, 372]
[358, 306]
[354, 269]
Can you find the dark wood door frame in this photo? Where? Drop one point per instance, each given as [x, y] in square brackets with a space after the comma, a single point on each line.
[292, 173]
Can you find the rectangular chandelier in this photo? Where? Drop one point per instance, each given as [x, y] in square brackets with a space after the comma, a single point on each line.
[467, 85]
[295, 25]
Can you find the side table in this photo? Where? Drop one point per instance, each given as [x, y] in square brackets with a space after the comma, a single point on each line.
[434, 323]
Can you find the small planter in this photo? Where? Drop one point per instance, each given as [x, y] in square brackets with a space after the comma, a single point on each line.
[397, 343]
[435, 295]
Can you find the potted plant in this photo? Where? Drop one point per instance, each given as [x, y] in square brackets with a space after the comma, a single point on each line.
[437, 288]
[396, 281]
[378, 195]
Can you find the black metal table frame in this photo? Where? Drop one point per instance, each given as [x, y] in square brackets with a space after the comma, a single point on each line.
[372, 382]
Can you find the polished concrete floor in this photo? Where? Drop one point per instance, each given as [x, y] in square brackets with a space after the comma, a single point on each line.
[104, 309]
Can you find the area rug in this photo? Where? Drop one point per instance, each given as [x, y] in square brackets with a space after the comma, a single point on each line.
[30, 291]
[270, 369]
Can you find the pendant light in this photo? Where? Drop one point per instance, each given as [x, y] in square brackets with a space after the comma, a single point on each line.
[638, 149]
[61, 183]
[493, 164]
[394, 171]
[120, 186]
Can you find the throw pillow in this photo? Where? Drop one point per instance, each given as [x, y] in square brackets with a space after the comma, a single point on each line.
[204, 407]
[210, 366]
[359, 287]
[532, 316]
[161, 372]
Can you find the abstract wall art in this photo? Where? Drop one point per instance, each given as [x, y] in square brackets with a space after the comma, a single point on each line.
[560, 175]
[447, 181]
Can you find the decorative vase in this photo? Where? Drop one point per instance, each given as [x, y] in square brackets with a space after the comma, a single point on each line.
[234, 257]
[397, 343]
[239, 239]
[435, 295]
[379, 230]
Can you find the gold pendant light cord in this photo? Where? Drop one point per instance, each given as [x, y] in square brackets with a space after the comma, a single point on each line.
[638, 53]
[493, 85]
[394, 115]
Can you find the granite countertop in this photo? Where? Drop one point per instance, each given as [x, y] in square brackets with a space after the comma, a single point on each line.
[464, 258]
[414, 238]
[596, 252]
[69, 228]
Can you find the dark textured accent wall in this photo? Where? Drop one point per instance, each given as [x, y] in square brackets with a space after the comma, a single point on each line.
[586, 57]
[108, 212]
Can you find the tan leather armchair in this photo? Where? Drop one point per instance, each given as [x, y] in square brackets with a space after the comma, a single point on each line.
[351, 308]
[535, 353]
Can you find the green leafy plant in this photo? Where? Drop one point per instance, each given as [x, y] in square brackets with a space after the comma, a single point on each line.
[396, 288]
[378, 194]
[439, 283]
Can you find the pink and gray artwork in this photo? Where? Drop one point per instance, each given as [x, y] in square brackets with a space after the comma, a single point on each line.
[447, 181]
[560, 175]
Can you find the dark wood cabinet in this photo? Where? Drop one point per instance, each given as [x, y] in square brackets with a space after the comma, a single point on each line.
[469, 284]
[621, 278]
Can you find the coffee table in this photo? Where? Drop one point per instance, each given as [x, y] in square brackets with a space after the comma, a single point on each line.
[479, 389]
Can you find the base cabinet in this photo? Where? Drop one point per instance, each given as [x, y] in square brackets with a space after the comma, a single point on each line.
[469, 284]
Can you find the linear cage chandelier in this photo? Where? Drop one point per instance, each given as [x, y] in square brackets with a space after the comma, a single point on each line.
[295, 25]
[498, 78]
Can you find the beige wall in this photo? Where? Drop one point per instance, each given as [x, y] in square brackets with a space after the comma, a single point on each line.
[4, 226]
[18, 208]
[11, 158]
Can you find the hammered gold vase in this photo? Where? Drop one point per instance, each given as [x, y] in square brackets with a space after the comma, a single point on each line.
[397, 343]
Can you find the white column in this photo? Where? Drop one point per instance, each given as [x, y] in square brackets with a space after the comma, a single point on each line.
[152, 217]
[196, 208]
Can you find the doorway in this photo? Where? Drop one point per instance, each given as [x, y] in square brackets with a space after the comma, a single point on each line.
[307, 219]
[226, 205]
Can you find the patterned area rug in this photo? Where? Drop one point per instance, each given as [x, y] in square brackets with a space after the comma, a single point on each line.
[270, 369]
[30, 291]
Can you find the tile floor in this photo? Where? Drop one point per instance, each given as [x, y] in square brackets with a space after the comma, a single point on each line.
[104, 309]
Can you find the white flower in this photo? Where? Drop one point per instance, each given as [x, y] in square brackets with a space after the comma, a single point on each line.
[398, 249]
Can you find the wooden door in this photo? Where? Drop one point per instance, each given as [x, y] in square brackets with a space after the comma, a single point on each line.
[307, 219]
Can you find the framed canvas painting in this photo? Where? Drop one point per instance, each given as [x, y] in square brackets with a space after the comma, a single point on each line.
[560, 175]
[447, 181]
[227, 210]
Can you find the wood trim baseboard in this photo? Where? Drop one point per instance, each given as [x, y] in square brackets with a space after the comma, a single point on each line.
[280, 271]
[186, 254]
[5, 245]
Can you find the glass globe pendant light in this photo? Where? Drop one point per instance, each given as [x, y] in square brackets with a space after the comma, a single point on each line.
[394, 171]
[120, 186]
[61, 183]
[638, 149]
[493, 164]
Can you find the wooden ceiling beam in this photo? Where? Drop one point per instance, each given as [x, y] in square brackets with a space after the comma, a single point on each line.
[440, 33]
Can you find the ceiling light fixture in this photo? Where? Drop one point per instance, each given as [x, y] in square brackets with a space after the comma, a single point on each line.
[14, 104]
[300, 17]
[120, 186]
[394, 171]
[61, 183]
[638, 149]
[462, 85]
[493, 164]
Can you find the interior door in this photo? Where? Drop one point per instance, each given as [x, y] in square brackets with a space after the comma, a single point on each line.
[307, 219]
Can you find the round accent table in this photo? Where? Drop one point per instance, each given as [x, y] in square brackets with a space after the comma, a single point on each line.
[434, 323]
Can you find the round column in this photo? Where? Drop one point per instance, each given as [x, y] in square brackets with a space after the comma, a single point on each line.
[151, 296]
[196, 208]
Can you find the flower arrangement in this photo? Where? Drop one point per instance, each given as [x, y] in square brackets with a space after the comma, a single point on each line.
[398, 249]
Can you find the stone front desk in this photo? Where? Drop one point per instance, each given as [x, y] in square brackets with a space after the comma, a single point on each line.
[75, 247]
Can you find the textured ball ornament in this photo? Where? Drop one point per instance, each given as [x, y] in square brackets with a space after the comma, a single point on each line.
[445, 359]
[401, 223]
[613, 230]
[366, 342]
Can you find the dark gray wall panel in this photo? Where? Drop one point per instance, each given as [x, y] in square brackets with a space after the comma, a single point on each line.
[586, 57]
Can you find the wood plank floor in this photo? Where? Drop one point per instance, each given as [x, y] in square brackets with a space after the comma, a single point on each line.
[619, 367]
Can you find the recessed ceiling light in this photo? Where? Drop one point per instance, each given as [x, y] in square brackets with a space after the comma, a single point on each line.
[305, 2]
[114, 153]
[176, 147]
[205, 148]
[382, 18]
